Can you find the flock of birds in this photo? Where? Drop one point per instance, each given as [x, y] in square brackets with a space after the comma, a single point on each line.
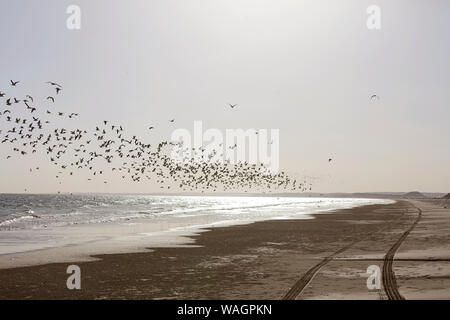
[30, 128]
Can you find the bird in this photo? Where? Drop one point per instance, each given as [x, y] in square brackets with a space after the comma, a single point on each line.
[374, 96]
[53, 83]
[51, 98]
[232, 105]
[14, 83]
[329, 160]
[109, 147]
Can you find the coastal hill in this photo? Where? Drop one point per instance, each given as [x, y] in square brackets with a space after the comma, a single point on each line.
[447, 196]
[414, 195]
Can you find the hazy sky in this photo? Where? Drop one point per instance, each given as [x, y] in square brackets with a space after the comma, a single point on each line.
[307, 68]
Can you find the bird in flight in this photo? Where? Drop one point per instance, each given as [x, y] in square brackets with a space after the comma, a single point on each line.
[329, 160]
[13, 83]
[374, 96]
[232, 105]
[77, 149]
[53, 84]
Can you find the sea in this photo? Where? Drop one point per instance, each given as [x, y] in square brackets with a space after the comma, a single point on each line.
[37, 222]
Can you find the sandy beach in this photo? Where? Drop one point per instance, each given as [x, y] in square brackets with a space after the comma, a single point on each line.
[194, 153]
[322, 258]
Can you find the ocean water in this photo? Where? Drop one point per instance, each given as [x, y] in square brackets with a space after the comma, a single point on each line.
[36, 222]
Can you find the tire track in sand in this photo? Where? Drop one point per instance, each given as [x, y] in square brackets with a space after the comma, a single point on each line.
[388, 275]
[303, 282]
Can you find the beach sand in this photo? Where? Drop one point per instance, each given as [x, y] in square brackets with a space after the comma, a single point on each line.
[267, 260]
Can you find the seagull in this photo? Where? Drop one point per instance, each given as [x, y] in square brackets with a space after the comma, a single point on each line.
[374, 96]
[140, 160]
[13, 83]
[1, 94]
[329, 160]
[53, 83]
[232, 105]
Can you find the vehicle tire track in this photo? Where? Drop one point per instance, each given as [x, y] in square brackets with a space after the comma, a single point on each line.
[303, 282]
[388, 275]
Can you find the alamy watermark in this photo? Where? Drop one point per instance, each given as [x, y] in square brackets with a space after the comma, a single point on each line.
[73, 21]
[374, 19]
[74, 280]
[374, 277]
[253, 146]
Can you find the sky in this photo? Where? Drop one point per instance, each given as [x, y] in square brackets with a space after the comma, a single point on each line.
[306, 68]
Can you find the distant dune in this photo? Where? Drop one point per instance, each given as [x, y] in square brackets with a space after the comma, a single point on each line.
[414, 195]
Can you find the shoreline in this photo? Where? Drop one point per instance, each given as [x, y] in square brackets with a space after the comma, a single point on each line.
[77, 243]
[263, 260]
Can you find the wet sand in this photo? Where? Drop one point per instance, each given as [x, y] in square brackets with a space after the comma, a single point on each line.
[264, 260]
